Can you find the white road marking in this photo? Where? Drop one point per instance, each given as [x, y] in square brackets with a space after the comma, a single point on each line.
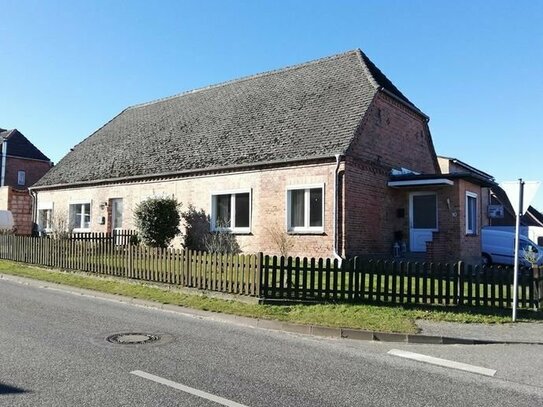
[187, 389]
[442, 362]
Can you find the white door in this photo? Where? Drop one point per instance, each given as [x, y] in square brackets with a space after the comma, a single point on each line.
[422, 219]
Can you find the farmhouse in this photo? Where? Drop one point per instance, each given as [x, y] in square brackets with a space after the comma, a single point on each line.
[328, 152]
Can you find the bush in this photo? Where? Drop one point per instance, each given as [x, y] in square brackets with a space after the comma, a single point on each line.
[198, 236]
[157, 220]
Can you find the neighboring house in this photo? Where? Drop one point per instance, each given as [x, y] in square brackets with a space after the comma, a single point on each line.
[22, 164]
[507, 217]
[329, 152]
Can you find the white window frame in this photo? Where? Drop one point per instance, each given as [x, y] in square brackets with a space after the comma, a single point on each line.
[306, 228]
[82, 202]
[475, 221]
[21, 178]
[232, 193]
[46, 206]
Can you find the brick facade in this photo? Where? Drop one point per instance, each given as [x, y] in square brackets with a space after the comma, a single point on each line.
[268, 189]
[452, 242]
[391, 136]
[19, 202]
[34, 170]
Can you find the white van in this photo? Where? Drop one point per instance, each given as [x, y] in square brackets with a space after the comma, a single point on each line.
[498, 246]
[6, 220]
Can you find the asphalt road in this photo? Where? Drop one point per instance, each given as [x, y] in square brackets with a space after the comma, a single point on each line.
[53, 352]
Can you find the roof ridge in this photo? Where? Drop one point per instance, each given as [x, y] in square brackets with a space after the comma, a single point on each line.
[366, 70]
[249, 77]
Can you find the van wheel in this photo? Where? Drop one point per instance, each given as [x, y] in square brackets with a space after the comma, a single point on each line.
[486, 260]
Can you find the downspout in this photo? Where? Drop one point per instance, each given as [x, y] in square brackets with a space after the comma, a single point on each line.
[335, 215]
[34, 196]
[4, 158]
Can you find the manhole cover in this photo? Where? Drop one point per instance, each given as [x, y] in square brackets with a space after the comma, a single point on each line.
[132, 338]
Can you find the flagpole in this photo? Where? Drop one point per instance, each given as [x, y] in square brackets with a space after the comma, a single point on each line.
[517, 235]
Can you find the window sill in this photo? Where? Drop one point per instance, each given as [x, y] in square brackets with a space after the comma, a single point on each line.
[81, 230]
[306, 232]
[232, 231]
[471, 235]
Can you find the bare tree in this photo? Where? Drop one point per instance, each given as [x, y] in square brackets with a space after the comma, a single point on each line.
[61, 228]
[282, 240]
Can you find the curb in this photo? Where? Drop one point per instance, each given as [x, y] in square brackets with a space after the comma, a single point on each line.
[273, 325]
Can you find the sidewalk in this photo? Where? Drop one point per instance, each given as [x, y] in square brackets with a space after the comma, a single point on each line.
[531, 332]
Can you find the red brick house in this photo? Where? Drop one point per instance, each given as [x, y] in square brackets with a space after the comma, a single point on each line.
[21, 165]
[328, 152]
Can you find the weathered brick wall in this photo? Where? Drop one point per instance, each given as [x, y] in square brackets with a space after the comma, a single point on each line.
[370, 209]
[20, 205]
[268, 189]
[391, 136]
[34, 170]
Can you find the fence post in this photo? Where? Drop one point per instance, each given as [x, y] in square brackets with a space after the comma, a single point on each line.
[537, 287]
[258, 276]
[460, 283]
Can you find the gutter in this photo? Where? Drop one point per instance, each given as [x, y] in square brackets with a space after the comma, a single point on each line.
[174, 174]
[34, 197]
[4, 159]
[335, 215]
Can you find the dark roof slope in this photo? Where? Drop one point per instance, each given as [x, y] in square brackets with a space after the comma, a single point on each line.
[301, 112]
[20, 146]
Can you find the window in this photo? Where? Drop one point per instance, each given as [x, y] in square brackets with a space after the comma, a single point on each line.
[21, 177]
[45, 216]
[305, 209]
[80, 216]
[231, 211]
[116, 205]
[471, 213]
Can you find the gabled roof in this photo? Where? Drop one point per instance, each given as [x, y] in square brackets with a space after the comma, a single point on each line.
[303, 112]
[19, 146]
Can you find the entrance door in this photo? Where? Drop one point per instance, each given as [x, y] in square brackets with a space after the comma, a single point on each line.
[422, 219]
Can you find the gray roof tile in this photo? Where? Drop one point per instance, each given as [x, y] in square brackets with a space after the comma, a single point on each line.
[300, 112]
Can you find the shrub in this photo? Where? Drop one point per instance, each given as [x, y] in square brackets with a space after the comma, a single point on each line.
[198, 236]
[157, 220]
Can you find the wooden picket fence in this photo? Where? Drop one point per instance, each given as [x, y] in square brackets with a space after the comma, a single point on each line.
[396, 282]
[236, 274]
[273, 279]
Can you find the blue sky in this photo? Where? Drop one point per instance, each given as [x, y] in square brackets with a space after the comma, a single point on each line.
[475, 67]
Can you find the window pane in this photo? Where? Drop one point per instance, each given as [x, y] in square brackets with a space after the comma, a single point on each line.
[472, 213]
[297, 218]
[117, 212]
[242, 211]
[44, 217]
[424, 212]
[86, 215]
[21, 177]
[222, 217]
[315, 207]
[77, 223]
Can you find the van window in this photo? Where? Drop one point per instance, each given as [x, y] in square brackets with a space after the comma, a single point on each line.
[527, 246]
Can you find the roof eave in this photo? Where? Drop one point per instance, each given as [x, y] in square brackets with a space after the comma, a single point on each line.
[135, 178]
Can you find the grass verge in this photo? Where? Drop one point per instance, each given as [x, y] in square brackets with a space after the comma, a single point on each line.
[359, 316]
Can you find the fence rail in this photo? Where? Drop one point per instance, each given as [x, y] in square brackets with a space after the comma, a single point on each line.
[358, 280]
[236, 274]
[278, 278]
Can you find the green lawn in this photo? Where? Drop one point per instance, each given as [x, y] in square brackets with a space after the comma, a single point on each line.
[361, 316]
